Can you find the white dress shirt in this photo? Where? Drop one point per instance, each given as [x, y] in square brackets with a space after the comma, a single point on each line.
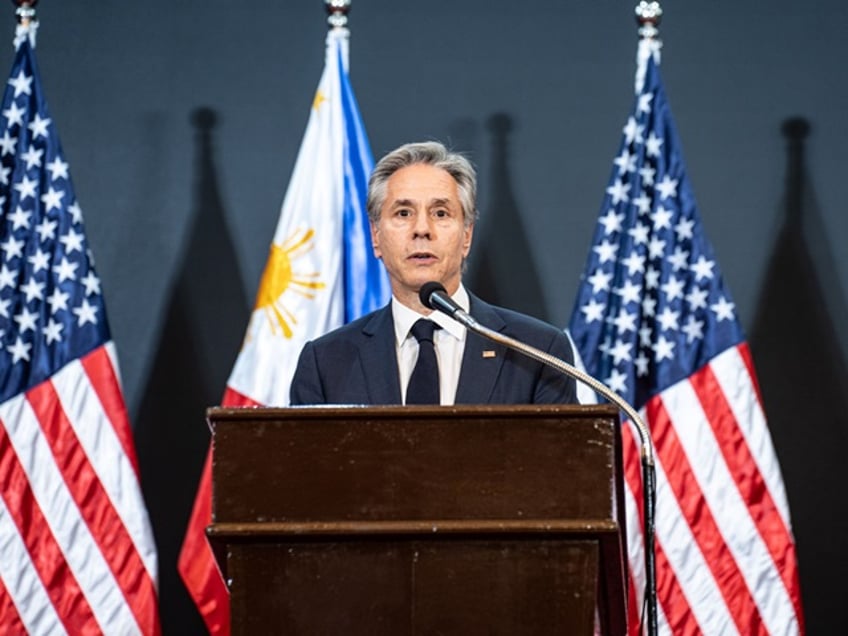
[449, 343]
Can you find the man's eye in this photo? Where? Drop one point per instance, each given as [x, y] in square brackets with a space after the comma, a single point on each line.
[441, 213]
[404, 212]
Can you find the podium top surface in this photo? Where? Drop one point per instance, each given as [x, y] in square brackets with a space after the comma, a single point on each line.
[216, 414]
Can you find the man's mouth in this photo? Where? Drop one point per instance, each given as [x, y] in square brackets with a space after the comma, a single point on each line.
[421, 256]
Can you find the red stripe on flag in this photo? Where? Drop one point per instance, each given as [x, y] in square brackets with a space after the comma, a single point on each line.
[234, 398]
[749, 480]
[10, 620]
[47, 557]
[632, 458]
[633, 479]
[634, 610]
[697, 513]
[98, 367]
[632, 455]
[104, 523]
[196, 564]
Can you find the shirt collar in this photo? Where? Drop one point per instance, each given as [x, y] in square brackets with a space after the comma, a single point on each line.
[404, 317]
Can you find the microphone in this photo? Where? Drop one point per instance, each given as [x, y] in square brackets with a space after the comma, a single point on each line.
[433, 295]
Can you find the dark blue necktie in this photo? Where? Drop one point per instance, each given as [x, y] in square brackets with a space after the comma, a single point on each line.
[423, 387]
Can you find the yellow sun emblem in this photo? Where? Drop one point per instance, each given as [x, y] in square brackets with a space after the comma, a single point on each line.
[278, 278]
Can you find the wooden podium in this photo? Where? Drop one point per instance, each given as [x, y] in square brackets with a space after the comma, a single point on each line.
[426, 520]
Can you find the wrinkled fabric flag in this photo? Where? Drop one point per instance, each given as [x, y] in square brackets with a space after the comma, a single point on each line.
[321, 272]
[655, 321]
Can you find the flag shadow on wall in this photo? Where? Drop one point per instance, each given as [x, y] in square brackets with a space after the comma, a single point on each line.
[804, 383]
[200, 337]
[503, 267]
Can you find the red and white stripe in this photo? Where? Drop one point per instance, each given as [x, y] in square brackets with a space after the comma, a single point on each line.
[78, 551]
[725, 557]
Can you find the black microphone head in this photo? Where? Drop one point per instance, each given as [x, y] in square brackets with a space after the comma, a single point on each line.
[427, 290]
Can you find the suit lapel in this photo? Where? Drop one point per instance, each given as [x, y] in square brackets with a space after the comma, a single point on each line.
[483, 358]
[379, 358]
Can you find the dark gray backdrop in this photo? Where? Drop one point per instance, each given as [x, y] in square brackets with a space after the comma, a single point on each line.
[181, 121]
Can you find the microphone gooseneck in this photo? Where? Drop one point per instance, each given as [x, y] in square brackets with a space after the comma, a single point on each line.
[434, 296]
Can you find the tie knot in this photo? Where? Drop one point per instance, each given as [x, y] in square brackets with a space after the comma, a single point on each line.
[423, 329]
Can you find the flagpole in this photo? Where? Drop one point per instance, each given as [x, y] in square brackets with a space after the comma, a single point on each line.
[337, 19]
[648, 15]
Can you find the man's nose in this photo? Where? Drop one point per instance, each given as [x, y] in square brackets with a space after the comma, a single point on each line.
[422, 226]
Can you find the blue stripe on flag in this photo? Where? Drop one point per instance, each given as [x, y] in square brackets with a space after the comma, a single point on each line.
[366, 284]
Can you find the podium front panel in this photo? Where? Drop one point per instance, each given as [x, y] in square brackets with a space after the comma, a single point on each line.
[396, 588]
[426, 520]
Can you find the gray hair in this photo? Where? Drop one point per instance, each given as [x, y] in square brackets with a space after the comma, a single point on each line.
[431, 153]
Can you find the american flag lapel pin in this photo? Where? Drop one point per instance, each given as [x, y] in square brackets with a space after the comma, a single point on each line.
[489, 353]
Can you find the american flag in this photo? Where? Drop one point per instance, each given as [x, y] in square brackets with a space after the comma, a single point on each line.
[78, 554]
[655, 321]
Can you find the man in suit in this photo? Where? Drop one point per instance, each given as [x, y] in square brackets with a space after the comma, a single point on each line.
[422, 208]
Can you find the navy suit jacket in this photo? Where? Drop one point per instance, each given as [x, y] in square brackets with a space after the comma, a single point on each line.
[357, 363]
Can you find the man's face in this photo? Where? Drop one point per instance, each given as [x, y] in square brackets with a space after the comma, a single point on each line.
[421, 235]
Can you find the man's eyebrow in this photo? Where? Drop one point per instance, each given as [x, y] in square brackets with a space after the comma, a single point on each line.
[402, 203]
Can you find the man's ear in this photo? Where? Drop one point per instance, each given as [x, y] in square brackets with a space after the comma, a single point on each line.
[466, 243]
[375, 240]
